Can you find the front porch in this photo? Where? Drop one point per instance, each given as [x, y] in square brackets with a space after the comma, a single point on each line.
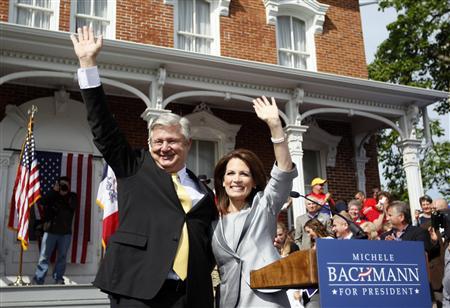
[69, 295]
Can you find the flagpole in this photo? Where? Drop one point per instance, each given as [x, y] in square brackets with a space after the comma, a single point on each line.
[19, 279]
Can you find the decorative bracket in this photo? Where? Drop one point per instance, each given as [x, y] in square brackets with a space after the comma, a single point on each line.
[292, 107]
[157, 87]
[312, 8]
[409, 121]
[223, 5]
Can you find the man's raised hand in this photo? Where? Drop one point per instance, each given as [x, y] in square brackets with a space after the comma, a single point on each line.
[86, 46]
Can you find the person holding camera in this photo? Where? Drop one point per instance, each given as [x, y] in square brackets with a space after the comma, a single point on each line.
[59, 207]
[424, 215]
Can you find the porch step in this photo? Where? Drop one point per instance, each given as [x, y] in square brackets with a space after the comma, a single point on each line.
[52, 296]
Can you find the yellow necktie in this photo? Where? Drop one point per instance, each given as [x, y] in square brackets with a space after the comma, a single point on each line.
[180, 263]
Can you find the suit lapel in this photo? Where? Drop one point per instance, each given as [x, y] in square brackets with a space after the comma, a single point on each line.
[220, 237]
[203, 189]
[165, 183]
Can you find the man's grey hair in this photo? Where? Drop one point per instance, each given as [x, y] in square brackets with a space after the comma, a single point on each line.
[401, 207]
[172, 119]
[355, 202]
[343, 217]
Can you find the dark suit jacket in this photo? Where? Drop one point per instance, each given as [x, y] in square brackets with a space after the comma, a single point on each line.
[140, 254]
[413, 233]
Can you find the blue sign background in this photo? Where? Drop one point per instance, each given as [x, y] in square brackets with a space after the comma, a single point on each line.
[364, 273]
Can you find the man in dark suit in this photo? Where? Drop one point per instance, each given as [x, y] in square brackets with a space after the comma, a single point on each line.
[398, 213]
[160, 256]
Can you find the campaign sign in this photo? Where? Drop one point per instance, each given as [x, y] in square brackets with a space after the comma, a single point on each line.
[363, 273]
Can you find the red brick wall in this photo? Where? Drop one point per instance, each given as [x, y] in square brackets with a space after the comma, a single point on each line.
[4, 10]
[340, 48]
[17, 95]
[245, 34]
[145, 21]
[64, 15]
[253, 135]
[126, 111]
[342, 181]
[372, 172]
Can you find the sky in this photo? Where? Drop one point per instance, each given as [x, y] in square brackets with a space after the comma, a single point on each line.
[374, 24]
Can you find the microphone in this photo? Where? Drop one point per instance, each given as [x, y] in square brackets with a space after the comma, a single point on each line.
[204, 179]
[294, 194]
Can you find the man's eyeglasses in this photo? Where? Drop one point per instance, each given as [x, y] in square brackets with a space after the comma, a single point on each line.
[158, 143]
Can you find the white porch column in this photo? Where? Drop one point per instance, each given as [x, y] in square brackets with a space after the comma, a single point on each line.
[295, 140]
[5, 161]
[361, 160]
[151, 114]
[411, 166]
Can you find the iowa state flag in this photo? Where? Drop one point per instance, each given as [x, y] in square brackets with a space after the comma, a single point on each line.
[107, 200]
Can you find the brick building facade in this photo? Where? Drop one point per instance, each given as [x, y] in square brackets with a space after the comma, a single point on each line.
[340, 50]
[309, 55]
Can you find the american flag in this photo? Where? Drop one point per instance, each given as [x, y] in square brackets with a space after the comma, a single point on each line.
[78, 167]
[26, 189]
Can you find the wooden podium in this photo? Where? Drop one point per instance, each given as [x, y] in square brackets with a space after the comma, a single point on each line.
[298, 270]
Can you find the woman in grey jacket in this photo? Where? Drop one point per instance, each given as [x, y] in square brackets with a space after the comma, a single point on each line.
[243, 235]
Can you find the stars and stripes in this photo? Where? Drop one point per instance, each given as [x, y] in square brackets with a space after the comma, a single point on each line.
[78, 168]
[26, 189]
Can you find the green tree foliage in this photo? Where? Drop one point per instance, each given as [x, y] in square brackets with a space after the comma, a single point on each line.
[416, 53]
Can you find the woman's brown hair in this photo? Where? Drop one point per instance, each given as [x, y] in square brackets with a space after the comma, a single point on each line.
[256, 169]
[318, 227]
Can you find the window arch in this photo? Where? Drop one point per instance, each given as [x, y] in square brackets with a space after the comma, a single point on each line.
[297, 22]
[212, 138]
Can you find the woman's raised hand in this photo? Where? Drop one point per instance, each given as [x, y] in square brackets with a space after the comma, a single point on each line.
[267, 111]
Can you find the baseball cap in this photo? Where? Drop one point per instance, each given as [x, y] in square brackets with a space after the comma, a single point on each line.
[317, 181]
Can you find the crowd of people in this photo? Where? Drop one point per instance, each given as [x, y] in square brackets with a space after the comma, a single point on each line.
[173, 229]
[377, 217]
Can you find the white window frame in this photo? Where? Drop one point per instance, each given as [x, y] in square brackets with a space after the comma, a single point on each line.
[212, 139]
[321, 168]
[207, 127]
[54, 9]
[215, 10]
[305, 53]
[111, 18]
[309, 18]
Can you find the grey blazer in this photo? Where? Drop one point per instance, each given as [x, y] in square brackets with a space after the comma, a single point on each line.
[256, 247]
